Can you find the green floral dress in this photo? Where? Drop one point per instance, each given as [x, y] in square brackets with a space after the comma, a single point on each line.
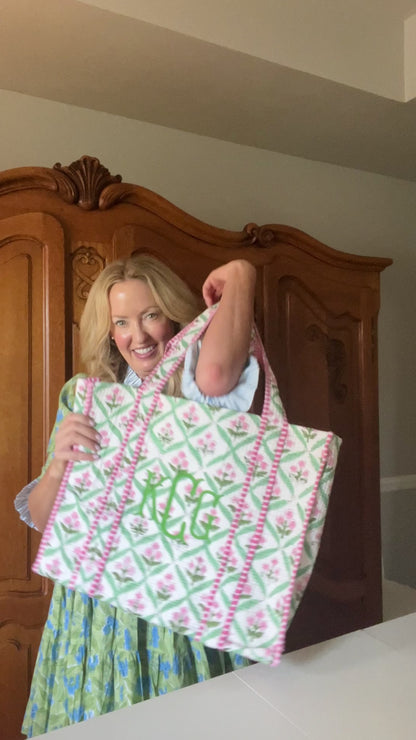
[94, 658]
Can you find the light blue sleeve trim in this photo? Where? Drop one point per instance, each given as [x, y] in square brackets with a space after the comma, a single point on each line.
[239, 399]
[21, 503]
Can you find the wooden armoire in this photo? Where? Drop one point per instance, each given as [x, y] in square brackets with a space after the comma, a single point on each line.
[316, 309]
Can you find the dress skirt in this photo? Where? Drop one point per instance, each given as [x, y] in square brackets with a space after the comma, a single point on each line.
[94, 658]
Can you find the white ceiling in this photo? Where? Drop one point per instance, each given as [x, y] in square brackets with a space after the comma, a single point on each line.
[84, 55]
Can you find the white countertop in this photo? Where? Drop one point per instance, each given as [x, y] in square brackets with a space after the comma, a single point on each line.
[360, 686]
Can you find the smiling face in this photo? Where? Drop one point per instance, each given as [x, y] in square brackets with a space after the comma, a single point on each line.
[138, 326]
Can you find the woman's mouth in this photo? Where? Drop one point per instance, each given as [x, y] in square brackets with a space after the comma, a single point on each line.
[144, 351]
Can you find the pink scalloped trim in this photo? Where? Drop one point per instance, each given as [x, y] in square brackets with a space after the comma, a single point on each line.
[269, 378]
[280, 644]
[255, 538]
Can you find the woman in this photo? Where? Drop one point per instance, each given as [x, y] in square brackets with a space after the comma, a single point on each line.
[94, 658]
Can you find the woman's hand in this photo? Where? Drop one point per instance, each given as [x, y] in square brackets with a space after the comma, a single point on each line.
[76, 439]
[75, 431]
[240, 272]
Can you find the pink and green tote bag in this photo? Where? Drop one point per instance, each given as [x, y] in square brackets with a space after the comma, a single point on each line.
[196, 518]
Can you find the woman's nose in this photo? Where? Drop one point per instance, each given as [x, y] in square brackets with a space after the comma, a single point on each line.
[138, 333]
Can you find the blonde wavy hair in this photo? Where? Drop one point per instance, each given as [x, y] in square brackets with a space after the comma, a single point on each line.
[101, 356]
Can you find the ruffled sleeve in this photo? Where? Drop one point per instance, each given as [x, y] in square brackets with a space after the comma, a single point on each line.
[239, 399]
[21, 503]
[65, 406]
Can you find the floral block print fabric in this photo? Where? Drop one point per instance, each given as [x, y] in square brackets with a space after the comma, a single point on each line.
[199, 519]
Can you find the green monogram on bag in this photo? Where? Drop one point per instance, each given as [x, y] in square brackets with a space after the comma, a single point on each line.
[154, 485]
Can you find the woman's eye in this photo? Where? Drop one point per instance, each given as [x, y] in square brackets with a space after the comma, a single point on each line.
[120, 322]
[152, 315]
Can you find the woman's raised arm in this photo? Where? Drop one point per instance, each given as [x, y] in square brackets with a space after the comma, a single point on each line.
[226, 342]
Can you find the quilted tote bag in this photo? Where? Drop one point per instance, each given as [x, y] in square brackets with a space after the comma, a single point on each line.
[196, 518]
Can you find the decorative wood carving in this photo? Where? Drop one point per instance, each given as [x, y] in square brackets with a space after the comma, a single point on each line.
[261, 236]
[86, 266]
[336, 358]
[81, 183]
[87, 177]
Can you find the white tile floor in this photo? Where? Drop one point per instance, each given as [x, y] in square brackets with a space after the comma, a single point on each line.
[398, 600]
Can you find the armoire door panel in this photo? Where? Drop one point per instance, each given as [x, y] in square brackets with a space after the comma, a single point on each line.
[31, 373]
[18, 650]
[16, 269]
[323, 356]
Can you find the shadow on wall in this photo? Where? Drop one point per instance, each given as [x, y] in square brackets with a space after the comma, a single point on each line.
[398, 525]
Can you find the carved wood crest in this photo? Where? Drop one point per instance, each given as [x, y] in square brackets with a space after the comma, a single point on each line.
[84, 180]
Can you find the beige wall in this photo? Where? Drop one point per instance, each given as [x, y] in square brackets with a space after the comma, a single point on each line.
[229, 185]
[315, 37]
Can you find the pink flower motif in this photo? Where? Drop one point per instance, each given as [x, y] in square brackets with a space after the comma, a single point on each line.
[232, 560]
[153, 554]
[180, 461]
[165, 433]
[82, 483]
[190, 416]
[225, 475]
[55, 568]
[256, 624]
[72, 522]
[285, 524]
[197, 569]
[136, 603]
[165, 586]
[114, 398]
[239, 426]
[139, 525]
[125, 567]
[298, 472]
[271, 569]
[207, 443]
[181, 617]
[260, 467]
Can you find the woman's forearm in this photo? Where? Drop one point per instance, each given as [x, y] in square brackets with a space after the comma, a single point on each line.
[226, 343]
